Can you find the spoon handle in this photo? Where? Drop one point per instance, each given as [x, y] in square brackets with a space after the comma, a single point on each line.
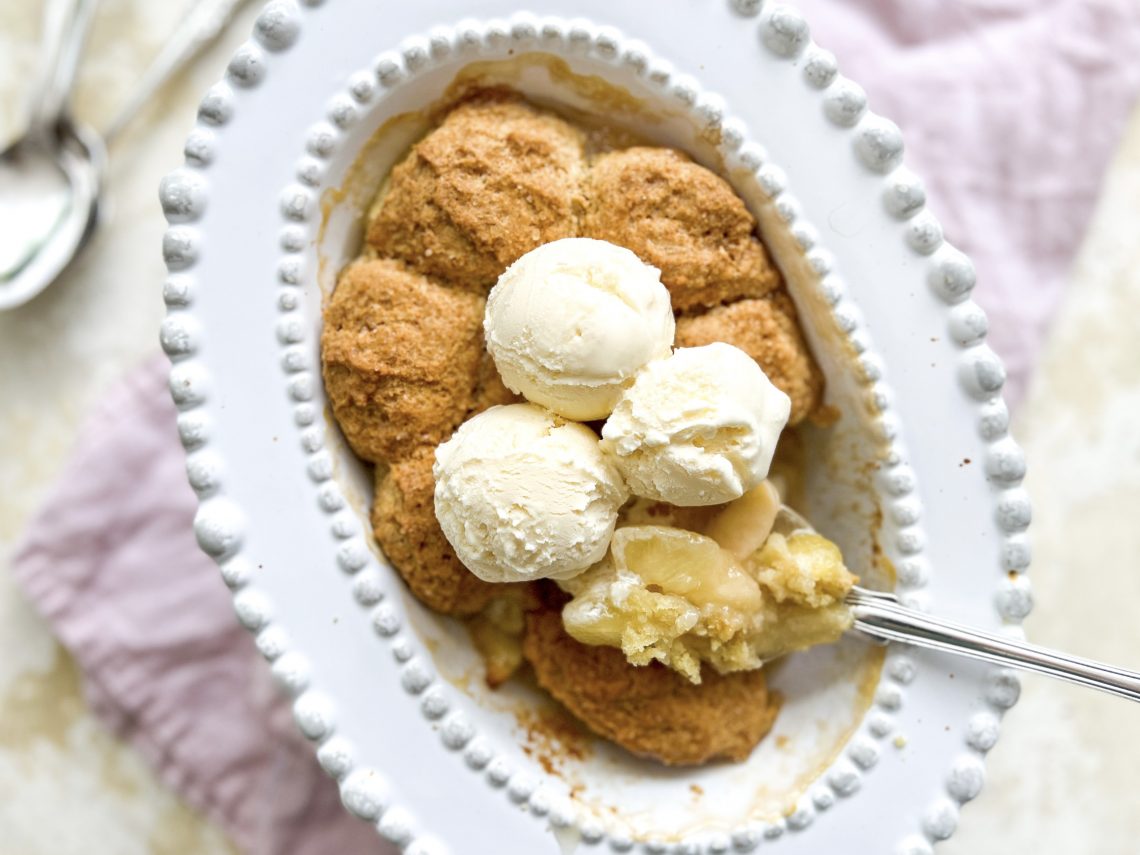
[883, 618]
[65, 30]
[206, 21]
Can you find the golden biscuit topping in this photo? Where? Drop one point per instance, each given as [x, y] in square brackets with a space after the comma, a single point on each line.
[684, 220]
[404, 524]
[401, 358]
[651, 711]
[497, 178]
[766, 330]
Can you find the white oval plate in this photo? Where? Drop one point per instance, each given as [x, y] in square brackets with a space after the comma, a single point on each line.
[868, 754]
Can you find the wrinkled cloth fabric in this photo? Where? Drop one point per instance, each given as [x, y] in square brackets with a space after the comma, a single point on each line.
[112, 564]
[1010, 109]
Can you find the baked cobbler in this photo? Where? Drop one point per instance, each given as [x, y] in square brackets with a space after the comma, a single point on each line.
[571, 366]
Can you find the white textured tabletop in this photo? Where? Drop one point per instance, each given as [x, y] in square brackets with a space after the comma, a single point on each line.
[1060, 781]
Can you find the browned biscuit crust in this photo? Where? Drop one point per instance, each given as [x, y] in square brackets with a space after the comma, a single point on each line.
[401, 358]
[684, 220]
[404, 522]
[765, 329]
[495, 180]
[651, 711]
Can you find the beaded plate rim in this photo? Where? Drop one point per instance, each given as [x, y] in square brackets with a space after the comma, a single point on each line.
[877, 146]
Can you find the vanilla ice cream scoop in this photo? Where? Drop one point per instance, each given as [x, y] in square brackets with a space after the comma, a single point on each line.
[570, 323]
[698, 428]
[521, 494]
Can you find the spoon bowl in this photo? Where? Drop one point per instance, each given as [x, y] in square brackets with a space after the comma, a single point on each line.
[50, 177]
[49, 205]
[880, 616]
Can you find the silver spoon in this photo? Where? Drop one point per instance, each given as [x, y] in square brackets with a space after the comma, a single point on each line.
[880, 616]
[50, 178]
[204, 23]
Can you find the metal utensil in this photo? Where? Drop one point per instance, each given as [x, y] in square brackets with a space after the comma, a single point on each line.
[882, 617]
[50, 179]
[205, 22]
